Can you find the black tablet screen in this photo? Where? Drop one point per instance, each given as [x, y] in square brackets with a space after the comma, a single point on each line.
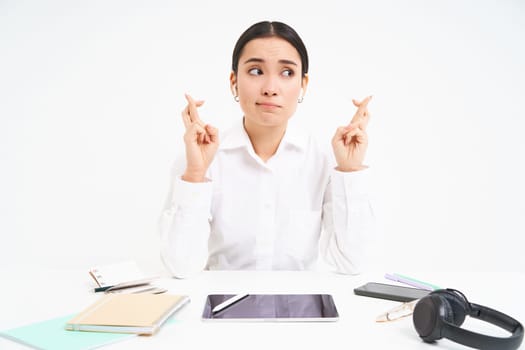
[279, 307]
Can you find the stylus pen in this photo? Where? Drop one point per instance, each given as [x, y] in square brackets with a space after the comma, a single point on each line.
[411, 281]
[120, 286]
[229, 302]
[102, 289]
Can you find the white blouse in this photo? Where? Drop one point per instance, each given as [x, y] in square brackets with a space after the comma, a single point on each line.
[276, 215]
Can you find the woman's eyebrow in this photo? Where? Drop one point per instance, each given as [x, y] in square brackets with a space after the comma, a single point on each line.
[254, 59]
[260, 60]
[290, 62]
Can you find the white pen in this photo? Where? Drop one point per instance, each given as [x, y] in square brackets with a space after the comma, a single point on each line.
[229, 302]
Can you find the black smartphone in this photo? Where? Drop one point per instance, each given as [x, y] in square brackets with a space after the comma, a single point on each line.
[390, 292]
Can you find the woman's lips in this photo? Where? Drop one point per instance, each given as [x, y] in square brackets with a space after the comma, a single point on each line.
[269, 105]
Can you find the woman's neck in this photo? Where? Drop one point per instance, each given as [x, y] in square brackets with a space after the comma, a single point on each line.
[265, 139]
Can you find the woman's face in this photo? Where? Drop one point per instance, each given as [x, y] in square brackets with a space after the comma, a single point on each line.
[268, 81]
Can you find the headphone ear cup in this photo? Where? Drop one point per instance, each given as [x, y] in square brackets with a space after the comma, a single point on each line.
[429, 314]
[457, 306]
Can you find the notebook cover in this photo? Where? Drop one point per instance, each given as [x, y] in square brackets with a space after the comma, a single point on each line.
[51, 335]
[134, 313]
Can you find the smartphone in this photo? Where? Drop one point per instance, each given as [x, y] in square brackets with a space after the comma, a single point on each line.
[390, 292]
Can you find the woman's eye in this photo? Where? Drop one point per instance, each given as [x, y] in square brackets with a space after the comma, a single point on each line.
[255, 71]
[287, 72]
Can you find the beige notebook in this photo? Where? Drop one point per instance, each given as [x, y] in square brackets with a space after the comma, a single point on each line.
[128, 313]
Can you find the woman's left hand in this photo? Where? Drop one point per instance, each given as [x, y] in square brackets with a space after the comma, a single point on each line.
[350, 142]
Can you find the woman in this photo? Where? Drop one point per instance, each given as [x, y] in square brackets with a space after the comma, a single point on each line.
[264, 196]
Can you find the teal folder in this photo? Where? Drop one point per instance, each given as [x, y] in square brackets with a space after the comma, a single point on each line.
[51, 335]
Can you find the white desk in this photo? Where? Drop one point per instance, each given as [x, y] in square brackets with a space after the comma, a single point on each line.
[28, 298]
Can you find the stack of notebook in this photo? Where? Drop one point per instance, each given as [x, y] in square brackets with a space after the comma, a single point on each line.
[112, 318]
[140, 313]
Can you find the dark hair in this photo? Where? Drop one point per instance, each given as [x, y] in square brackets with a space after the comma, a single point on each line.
[268, 29]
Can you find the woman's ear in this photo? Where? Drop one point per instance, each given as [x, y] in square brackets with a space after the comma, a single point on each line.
[304, 83]
[233, 84]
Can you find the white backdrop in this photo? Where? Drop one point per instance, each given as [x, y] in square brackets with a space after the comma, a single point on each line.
[91, 93]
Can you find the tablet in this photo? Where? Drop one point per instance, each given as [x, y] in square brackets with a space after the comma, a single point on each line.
[270, 307]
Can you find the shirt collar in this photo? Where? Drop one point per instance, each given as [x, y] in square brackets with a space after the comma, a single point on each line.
[237, 137]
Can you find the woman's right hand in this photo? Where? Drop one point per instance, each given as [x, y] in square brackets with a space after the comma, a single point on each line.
[201, 140]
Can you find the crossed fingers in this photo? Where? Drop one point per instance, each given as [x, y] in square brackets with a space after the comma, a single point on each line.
[190, 114]
[357, 126]
[362, 116]
[191, 119]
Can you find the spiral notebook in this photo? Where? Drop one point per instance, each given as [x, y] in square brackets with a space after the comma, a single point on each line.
[117, 273]
[123, 277]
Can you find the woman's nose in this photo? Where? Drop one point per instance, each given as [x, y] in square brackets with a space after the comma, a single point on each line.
[269, 87]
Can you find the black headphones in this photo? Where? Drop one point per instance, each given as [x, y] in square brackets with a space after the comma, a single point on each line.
[441, 313]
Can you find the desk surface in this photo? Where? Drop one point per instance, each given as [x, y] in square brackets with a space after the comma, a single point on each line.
[32, 297]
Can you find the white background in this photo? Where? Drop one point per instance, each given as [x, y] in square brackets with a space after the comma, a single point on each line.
[91, 94]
